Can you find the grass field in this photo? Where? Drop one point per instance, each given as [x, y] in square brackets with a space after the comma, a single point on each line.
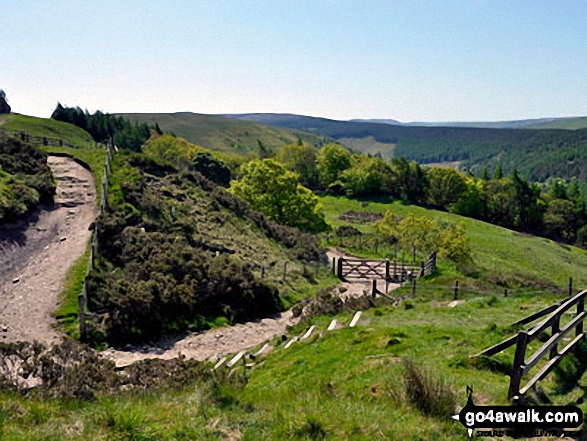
[46, 127]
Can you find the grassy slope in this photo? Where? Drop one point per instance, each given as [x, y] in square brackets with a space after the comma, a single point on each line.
[224, 134]
[46, 127]
[369, 145]
[498, 252]
[343, 384]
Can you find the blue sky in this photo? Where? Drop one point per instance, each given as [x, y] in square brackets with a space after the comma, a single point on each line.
[407, 60]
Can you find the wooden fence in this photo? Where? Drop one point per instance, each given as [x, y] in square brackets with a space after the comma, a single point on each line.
[371, 269]
[522, 363]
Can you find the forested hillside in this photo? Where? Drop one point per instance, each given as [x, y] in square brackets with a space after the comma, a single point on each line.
[536, 154]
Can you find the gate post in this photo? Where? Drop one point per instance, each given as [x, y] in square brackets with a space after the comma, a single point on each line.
[340, 276]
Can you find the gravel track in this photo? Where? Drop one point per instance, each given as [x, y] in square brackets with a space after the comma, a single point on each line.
[37, 251]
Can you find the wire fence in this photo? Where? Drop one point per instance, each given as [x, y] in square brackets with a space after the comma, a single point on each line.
[50, 141]
[283, 271]
[83, 309]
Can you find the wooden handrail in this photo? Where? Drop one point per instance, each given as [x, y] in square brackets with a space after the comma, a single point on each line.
[522, 367]
[547, 322]
[523, 338]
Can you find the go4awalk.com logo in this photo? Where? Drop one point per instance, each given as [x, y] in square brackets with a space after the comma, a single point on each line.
[512, 420]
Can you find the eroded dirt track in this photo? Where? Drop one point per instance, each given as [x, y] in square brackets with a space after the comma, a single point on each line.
[202, 346]
[36, 253]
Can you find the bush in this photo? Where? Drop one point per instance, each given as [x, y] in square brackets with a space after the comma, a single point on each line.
[25, 178]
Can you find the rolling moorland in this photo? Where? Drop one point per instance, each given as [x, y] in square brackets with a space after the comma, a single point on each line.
[536, 153]
[220, 134]
[166, 210]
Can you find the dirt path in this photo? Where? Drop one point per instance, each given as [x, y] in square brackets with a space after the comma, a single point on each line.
[226, 340]
[202, 346]
[36, 252]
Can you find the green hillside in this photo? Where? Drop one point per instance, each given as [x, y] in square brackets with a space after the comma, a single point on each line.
[348, 384]
[223, 134]
[46, 127]
[301, 392]
[501, 256]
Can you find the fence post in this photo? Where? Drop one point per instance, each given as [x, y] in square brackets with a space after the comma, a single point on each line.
[555, 330]
[414, 287]
[517, 370]
[570, 287]
[580, 309]
[284, 270]
[422, 270]
[334, 265]
[374, 289]
[456, 295]
[387, 269]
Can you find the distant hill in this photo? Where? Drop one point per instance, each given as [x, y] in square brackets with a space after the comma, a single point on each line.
[538, 154]
[571, 123]
[575, 123]
[224, 134]
[379, 121]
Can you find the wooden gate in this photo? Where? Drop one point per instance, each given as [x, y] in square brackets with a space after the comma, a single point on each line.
[392, 271]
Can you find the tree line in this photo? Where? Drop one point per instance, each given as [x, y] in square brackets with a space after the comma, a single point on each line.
[557, 210]
[103, 126]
